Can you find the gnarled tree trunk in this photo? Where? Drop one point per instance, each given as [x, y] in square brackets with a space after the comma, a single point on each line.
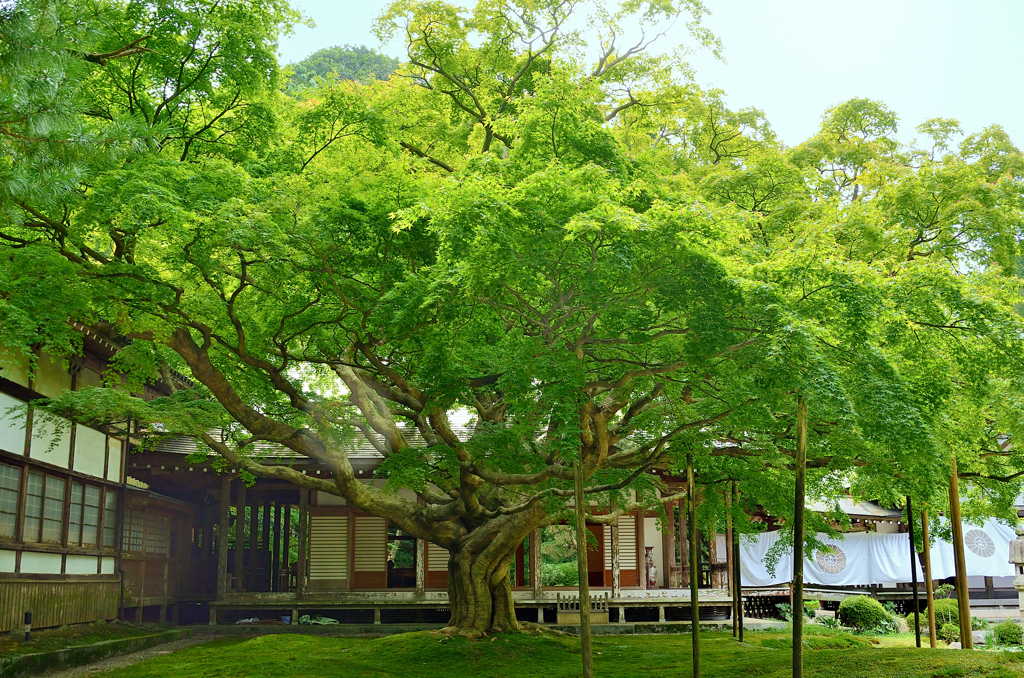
[479, 590]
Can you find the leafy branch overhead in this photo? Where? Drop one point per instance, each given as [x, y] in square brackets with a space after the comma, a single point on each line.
[516, 253]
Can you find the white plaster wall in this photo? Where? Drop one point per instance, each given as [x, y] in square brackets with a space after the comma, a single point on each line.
[49, 446]
[80, 565]
[12, 427]
[107, 566]
[40, 563]
[652, 537]
[87, 378]
[51, 377]
[114, 461]
[90, 451]
[887, 528]
[7, 560]
[14, 368]
[328, 499]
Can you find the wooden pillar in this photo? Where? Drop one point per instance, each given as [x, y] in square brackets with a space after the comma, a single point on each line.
[729, 556]
[254, 525]
[421, 567]
[736, 565]
[584, 572]
[684, 547]
[535, 579]
[641, 562]
[691, 487]
[668, 544]
[286, 548]
[913, 573]
[929, 592]
[275, 561]
[962, 593]
[265, 530]
[303, 538]
[239, 534]
[616, 562]
[222, 537]
[798, 539]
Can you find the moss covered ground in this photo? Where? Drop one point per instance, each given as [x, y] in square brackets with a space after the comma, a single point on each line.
[47, 640]
[423, 655]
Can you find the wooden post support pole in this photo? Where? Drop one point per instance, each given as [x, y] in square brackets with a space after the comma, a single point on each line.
[729, 556]
[929, 593]
[265, 530]
[963, 595]
[275, 563]
[303, 540]
[535, 561]
[581, 561]
[694, 551]
[222, 535]
[798, 539]
[913, 573]
[668, 544]
[684, 545]
[239, 533]
[737, 572]
[616, 563]
[421, 567]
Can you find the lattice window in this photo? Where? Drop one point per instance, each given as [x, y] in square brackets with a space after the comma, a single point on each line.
[109, 519]
[53, 510]
[157, 534]
[75, 514]
[33, 506]
[10, 482]
[134, 529]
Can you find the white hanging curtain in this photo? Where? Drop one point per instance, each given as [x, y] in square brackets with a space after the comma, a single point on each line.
[869, 558]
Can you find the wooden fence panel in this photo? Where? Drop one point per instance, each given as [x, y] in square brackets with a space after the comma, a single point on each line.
[55, 603]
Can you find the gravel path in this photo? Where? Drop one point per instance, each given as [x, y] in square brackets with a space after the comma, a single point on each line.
[121, 661]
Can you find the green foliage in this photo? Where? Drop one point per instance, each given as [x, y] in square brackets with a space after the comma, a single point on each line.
[342, 63]
[862, 613]
[949, 632]
[560, 574]
[1008, 633]
[979, 624]
[574, 243]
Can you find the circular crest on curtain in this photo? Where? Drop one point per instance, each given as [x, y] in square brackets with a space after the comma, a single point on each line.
[980, 543]
[832, 561]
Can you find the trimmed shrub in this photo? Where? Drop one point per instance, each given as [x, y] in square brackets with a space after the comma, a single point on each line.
[946, 612]
[979, 624]
[949, 633]
[1008, 633]
[862, 612]
[560, 574]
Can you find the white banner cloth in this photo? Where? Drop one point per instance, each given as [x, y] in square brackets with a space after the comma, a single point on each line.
[866, 558]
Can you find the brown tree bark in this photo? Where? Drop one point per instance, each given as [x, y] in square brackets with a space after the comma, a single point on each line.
[479, 590]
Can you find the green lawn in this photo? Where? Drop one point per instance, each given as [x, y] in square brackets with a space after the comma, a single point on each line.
[422, 655]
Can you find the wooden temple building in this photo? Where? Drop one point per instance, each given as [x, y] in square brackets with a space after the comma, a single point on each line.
[90, 530]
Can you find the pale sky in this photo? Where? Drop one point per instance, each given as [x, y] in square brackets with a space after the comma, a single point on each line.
[961, 59]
